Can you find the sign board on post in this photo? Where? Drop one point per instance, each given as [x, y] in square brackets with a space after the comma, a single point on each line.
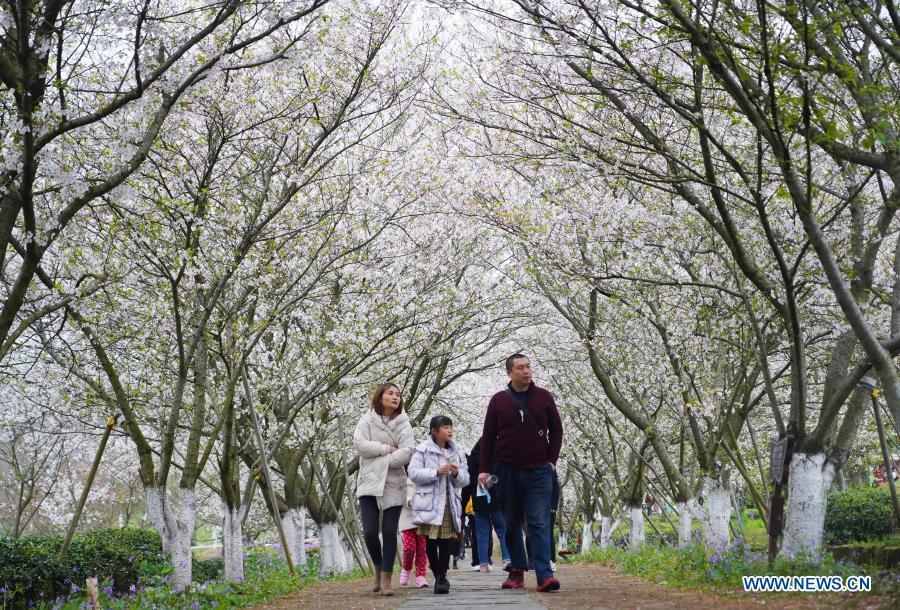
[776, 515]
[779, 460]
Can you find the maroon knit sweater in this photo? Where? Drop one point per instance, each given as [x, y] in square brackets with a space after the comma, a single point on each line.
[514, 442]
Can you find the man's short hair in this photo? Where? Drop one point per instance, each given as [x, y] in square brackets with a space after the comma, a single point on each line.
[512, 359]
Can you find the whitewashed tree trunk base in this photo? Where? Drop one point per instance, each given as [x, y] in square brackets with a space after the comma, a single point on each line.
[174, 521]
[346, 557]
[330, 551]
[716, 514]
[294, 524]
[587, 535]
[810, 479]
[636, 536]
[154, 499]
[232, 543]
[181, 541]
[685, 521]
[608, 527]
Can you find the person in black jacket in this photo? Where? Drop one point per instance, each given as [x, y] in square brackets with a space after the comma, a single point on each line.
[469, 492]
[488, 517]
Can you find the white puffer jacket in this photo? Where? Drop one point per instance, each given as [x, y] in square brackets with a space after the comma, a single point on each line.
[381, 473]
[406, 515]
[430, 495]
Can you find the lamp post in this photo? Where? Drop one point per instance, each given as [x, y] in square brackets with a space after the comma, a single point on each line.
[868, 384]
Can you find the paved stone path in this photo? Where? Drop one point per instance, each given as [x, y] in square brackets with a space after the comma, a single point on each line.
[473, 591]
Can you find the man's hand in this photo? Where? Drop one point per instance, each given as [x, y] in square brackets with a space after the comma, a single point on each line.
[483, 477]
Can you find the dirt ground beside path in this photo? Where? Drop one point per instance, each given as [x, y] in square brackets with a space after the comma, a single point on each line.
[600, 587]
[583, 587]
[352, 595]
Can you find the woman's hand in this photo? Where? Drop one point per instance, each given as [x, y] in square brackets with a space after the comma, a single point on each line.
[444, 469]
[454, 470]
[391, 449]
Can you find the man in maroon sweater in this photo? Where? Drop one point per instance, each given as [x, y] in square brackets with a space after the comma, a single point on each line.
[522, 436]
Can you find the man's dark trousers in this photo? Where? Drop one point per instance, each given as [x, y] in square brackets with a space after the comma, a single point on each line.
[526, 492]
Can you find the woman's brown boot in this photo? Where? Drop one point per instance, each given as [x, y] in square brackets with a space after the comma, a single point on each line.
[386, 583]
[377, 587]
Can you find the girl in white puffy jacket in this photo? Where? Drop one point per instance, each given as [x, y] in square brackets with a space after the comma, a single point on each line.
[438, 471]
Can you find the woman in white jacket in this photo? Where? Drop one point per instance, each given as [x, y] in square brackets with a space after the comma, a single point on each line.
[438, 470]
[384, 440]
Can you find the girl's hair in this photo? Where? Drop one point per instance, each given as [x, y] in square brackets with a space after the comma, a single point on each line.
[379, 394]
[437, 422]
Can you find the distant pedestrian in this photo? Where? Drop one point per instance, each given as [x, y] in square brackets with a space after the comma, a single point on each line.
[488, 516]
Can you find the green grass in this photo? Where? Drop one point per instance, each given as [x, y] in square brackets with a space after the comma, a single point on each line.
[754, 530]
[266, 578]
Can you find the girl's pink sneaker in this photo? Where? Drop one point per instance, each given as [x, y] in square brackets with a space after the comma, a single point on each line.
[421, 582]
[404, 578]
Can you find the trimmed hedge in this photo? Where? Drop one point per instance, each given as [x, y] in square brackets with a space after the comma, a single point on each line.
[203, 570]
[29, 570]
[884, 554]
[859, 514]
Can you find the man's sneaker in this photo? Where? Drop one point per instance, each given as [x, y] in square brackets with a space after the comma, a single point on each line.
[476, 567]
[485, 568]
[515, 580]
[548, 584]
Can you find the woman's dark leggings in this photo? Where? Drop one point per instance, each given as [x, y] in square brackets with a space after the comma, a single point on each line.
[382, 555]
[438, 551]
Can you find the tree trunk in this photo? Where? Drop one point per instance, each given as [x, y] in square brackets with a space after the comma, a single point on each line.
[810, 479]
[346, 556]
[608, 528]
[154, 498]
[294, 524]
[715, 514]
[175, 524]
[331, 559]
[587, 532]
[685, 521]
[181, 540]
[233, 543]
[636, 535]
